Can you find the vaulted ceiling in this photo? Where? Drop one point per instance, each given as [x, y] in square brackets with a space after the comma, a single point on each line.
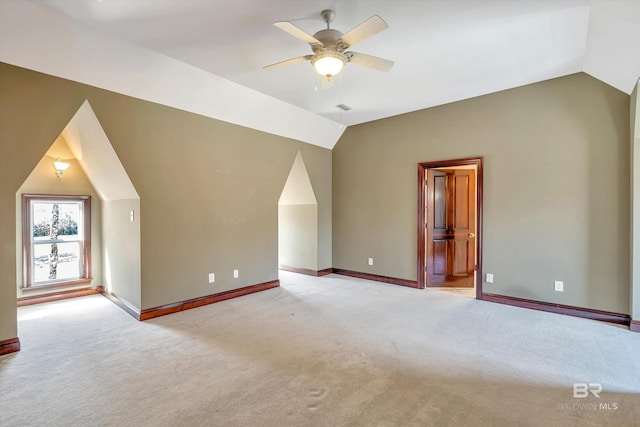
[444, 51]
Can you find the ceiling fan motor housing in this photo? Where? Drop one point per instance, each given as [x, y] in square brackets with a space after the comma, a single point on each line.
[331, 40]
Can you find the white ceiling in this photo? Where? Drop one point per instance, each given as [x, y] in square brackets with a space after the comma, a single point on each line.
[444, 51]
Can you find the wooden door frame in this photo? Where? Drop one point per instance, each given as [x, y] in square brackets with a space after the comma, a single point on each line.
[422, 235]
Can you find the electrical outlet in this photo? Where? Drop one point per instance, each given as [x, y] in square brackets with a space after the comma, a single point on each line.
[370, 261]
[559, 286]
[488, 278]
[235, 274]
[212, 277]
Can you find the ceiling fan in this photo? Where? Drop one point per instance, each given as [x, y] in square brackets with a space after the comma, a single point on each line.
[329, 46]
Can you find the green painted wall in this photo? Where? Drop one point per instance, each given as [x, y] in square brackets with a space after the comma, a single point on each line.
[635, 198]
[556, 189]
[121, 251]
[208, 190]
[298, 236]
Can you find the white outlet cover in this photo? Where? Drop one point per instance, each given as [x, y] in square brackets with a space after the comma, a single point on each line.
[489, 278]
[235, 274]
[559, 286]
[212, 277]
[370, 261]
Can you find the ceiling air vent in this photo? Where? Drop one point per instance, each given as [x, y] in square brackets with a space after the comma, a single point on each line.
[343, 107]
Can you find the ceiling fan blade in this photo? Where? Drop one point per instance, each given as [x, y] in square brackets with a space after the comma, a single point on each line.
[297, 32]
[368, 28]
[288, 62]
[369, 61]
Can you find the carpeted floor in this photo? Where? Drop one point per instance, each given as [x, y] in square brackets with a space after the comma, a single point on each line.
[331, 351]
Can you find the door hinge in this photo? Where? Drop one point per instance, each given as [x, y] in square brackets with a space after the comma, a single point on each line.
[425, 268]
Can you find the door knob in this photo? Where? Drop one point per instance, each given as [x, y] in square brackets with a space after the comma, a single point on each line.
[471, 235]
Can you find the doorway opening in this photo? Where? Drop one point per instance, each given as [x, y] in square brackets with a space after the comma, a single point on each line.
[450, 224]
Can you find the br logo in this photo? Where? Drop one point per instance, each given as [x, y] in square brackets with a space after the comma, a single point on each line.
[582, 390]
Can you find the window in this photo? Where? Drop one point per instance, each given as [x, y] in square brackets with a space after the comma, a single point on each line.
[56, 240]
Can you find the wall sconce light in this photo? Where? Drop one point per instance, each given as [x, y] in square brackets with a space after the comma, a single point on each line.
[60, 166]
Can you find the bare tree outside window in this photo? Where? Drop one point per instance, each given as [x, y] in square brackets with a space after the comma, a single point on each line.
[53, 257]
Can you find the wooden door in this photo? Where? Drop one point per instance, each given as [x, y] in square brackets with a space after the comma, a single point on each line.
[450, 227]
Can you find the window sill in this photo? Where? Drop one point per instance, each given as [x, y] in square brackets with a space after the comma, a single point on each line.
[58, 285]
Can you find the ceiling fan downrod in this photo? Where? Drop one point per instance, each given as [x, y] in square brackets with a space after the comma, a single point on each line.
[328, 15]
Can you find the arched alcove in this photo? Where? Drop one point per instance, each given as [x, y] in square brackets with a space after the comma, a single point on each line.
[95, 169]
[298, 222]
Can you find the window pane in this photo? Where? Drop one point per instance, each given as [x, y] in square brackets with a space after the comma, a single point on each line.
[57, 221]
[56, 261]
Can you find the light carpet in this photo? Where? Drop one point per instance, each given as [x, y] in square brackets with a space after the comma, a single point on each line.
[330, 351]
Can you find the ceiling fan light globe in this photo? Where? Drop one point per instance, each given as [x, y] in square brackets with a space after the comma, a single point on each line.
[328, 65]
